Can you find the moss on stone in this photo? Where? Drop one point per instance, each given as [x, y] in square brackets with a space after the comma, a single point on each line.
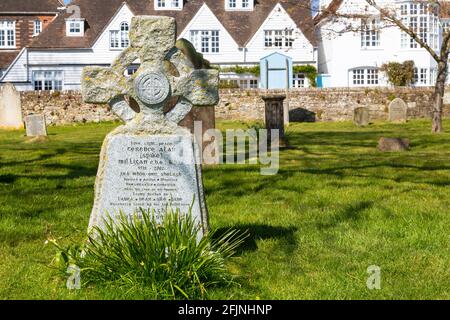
[195, 57]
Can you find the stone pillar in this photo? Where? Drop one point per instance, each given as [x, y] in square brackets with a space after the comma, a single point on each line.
[274, 110]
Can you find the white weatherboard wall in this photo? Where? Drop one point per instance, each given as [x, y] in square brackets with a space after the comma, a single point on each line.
[70, 61]
[339, 54]
[302, 51]
[229, 52]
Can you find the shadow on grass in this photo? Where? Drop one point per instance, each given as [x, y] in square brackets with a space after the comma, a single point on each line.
[257, 232]
[351, 213]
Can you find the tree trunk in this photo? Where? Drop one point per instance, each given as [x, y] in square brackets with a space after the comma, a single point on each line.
[439, 97]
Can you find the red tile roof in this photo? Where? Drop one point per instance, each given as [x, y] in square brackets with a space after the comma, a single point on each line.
[242, 25]
[29, 6]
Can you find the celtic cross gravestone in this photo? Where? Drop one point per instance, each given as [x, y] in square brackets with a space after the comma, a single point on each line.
[151, 162]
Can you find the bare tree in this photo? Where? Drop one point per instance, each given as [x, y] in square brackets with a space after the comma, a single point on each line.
[389, 16]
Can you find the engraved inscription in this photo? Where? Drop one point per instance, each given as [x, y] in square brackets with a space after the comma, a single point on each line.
[152, 88]
[147, 173]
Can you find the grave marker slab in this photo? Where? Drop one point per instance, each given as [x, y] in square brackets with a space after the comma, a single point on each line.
[398, 110]
[10, 108]
[151, 162]
[35, 125]
[361, 116]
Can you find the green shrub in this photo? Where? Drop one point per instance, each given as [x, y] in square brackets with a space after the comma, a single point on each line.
[399, 74]
[310, 73]
[166, 257]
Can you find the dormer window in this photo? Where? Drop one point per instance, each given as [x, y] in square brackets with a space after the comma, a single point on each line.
[168, 4]
[37, 27]
[75, 27]
[237, 5]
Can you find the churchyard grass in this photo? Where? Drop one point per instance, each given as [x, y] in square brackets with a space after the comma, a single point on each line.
[336, 207]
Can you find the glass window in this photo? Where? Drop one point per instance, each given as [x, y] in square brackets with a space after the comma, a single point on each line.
[298, 80]
[421, 20]
[48, 80]
[7, 34]
[37, 27]
[279, 38]
[119, 39]
[206, 41]
[370, 33]
[365, 76]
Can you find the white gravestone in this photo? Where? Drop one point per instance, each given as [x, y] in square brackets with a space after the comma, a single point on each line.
[398, 111]
[150, 162]
[35, 125]
[10, 108]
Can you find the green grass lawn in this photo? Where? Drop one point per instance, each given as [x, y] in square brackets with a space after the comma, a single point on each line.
[336, 207]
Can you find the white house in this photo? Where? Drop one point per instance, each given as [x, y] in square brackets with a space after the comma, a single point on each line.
[227, 32]
[353, 58]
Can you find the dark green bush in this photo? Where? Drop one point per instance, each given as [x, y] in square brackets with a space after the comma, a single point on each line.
[164, 257]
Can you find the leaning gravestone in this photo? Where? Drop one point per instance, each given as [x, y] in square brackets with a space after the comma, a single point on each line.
[150, 162]
[10, 108]
[361, 116]
[398, 110]
[35, 125]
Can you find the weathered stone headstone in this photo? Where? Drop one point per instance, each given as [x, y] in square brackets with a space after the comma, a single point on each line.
[361, 116]
[274, 114]
[10, 108]
[393, 144]
[35, 125]
[398, 110]
[151, 162]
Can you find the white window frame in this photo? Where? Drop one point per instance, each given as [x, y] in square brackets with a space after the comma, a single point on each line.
[168, 4]
[423, 76]
[364, 77]
[206, 41]
[37, 27]
[248, 83]
[239, 5]
[119, 39]
[7, 34]
[48, 80]
[370, 33]
[279, 39]
[299, 80]
[75, 27]
[423, 21]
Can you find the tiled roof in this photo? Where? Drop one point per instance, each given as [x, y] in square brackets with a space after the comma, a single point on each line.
[29, 6]
[242, 25]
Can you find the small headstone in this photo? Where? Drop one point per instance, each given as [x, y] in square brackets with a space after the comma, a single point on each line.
[393, 144]
[150, 162]
[398, 110]
[35, 125]
[10, 108]
[361, 116]
[274, 114]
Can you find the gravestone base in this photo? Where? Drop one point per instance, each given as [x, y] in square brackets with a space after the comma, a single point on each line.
[149, 167]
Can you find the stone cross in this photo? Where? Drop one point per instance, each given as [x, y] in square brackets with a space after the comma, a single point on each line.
[167, 69]
[151, 162]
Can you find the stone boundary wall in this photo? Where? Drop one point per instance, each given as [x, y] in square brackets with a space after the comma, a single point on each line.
[307, 104]
[65, 107]
[335, 104]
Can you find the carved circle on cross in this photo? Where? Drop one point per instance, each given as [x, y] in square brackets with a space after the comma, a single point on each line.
[152, 88]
